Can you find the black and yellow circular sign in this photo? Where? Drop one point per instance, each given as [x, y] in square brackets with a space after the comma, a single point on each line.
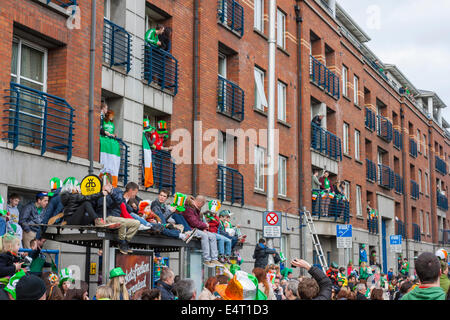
[90, 185]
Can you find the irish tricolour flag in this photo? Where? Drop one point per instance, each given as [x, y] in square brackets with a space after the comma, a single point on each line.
[148, 168]
[110, 157]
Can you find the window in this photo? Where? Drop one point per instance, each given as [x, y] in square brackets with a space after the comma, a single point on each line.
[425, 145]
[282, 176]
[345, 138]
[357, 145]
[344, 80]
[281, 101]
[259, 15]
[259, 168]
[281, 27]
[260, 95]
[347, 189]
[355, 90]
[427, 223]
[419, 178]
[284, 246]
[418, 141]
[426, 183]
[107, 8]
[421, 221]
[222, 65]
[358, 201]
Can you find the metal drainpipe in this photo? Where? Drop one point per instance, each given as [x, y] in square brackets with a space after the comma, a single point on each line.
[91, 88]
[405, 202]
[299, 20]
[195, 97]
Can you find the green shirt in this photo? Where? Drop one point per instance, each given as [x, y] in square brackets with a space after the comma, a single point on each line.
[109, 127]
[433, 293]
[151, 37]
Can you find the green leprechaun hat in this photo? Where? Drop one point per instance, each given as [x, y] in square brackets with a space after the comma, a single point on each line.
[11, 287]
[162, 129]
[146, 125]
[214, 205]
[3, 212]
[179, 201]
[116, 272]
[55, 183]
[65, 275]
[72, 181]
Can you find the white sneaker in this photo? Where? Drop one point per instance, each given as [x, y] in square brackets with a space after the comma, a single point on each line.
[143, 228]
[209, 264]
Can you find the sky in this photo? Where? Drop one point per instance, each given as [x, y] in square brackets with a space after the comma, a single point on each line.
[412, 34]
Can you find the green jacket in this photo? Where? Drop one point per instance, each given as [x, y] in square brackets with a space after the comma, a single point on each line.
[433, 293]
[151, 37]
[444, 282]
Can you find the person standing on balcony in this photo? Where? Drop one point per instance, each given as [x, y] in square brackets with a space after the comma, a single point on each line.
[103, 111]
[108, 124]
[31, 214]
[318, 120]
[152, 35]
[326, 188]
[164, 39]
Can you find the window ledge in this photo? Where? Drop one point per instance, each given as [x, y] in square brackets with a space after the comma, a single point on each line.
[346, 98]
[261, 112]
[359, 162]
[360, 218]
[55, 7]
[347, 156]
[284, 123]
[280, 197]
[236, 33]
[283, 50]
[260, 34]
[359, 107]
[263, 193]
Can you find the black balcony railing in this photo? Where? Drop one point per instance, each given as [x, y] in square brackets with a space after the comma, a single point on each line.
[441, 166]
[384, 128]
[372, 225]
[398, 183]
[371, 170]
[160, 67]
[231, 14]
[370, 120]
[442, 201]
[386, 177]
[230, 99]
[330, 205]
[64, 3]
[230, 185]
[164, 170]
[398, 139]
[413, 147]
[401, 229]
[414, 190]
[325, 142]
[323, 77]
[116, 45]
[444, 237]
[416, 232]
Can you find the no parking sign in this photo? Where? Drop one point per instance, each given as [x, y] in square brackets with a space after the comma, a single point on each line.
[272, 224]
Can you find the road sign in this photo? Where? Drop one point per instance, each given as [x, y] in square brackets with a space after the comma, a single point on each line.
[272, 224]
[395, 243]
[344, 236]
[90, 185]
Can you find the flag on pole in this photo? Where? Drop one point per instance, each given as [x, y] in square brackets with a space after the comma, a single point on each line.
[148, 167]
[110, 158]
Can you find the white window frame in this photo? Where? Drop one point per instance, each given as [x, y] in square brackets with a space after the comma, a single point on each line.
[107, 9]
[224, 65]
[418, 142]
[347, 189]
[281, 29]
[421, 222]
[260, 154]
[355, 90]
[284, 246]
[426, 183]
[345, 138]
[260, 95]
[425, 147]
[282, 176]
[358, 201]
[357, 145]
[344, 80]
[281, 95]
[258, 16]
[419, 178]
[428, 223]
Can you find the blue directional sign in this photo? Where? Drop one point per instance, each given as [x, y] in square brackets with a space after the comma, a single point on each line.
[344, 235]
[395, 243]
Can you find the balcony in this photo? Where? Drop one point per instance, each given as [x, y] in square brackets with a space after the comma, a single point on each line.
[38, 120]
[370, 121]
[442, 202]
[441, 166]
[398, 184]
[161, 68]
[116, 46]
[63, 3]
[416, 232]
[413, 147]
[324, 78]
[372, 225]
[401, 228]
[371, 171]
[414, 190]
[230, 185]
[326, 143]
[231, 15]
[444, 237]
[398, 139]
[384, 128]
[164, 170]
[329, 205]
[386, 177]
[230, 99]
[124, 161]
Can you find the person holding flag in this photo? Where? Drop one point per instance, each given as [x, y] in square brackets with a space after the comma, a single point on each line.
[110, 149]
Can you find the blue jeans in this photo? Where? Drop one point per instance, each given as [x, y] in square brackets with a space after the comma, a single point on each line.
[141, 220]
[2, 226]
[223, 245]
[172, 233]
[234, 239]
[179, 219]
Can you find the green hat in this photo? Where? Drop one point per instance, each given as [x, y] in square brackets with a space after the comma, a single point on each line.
[3, 212]
[214, 205]
[234, 268]
[116, 272]
[146, 125]
[11, 287]
[65, 275]
[285, 272]
[224, 213]
[179, 201]
[72, 181]
[334, 265]
[55, 183]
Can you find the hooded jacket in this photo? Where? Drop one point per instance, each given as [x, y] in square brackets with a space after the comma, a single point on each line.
[261, 255]
[432, 293]
[192, 216]
[7, 267]
[113, 202]
[30, 215]
[166, 291]
[72, 201]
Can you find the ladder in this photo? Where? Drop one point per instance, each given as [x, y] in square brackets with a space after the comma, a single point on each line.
[315, 239]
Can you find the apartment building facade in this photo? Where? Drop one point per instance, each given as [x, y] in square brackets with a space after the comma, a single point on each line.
[389, 147]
